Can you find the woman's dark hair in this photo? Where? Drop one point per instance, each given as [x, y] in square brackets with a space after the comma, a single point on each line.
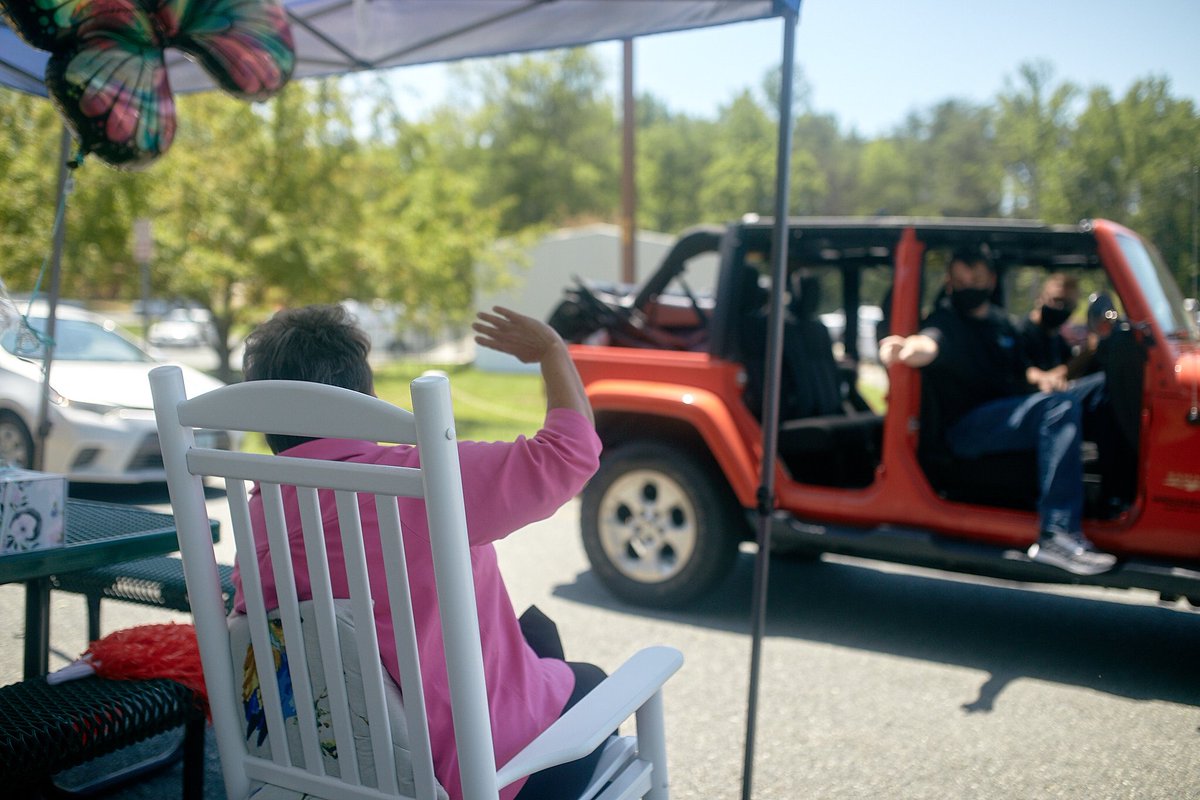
[319, 344]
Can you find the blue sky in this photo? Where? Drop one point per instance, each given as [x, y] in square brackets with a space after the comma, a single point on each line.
[870, 62]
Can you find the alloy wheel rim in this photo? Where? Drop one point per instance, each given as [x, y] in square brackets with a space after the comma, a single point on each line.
[648, 526]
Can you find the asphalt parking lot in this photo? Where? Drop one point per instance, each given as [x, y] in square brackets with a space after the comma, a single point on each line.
[877, 681]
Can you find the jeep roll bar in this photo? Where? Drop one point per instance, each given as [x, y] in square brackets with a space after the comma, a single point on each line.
[692, 242]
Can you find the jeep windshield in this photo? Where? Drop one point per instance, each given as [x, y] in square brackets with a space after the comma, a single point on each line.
[1162, 295]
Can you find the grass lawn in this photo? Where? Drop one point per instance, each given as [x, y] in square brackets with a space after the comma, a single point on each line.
[488, 406]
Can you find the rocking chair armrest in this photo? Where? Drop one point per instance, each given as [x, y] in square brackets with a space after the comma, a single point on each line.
[586, 725]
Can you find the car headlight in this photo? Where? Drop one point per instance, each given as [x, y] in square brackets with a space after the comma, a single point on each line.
[95, 408]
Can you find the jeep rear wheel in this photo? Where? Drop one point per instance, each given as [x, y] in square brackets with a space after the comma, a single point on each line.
[657, 527]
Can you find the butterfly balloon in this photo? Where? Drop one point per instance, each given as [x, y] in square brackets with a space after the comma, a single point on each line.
[107, 70]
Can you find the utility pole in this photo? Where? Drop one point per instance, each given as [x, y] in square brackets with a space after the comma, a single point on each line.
[628, 186]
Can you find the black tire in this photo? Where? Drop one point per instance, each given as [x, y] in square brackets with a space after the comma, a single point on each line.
[659, 529]
[16, 443]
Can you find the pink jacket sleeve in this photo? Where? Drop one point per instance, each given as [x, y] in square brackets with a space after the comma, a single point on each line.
[507, 485]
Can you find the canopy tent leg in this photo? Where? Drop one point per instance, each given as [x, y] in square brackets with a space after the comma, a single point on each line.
[771, 399]
[60, 233]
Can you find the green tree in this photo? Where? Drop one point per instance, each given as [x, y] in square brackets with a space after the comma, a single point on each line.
[825, 166]
[939, 163]
[1095, 170]
[1033, 127]
[1162, 141]
[963, 170]
[255, 205]
[824, 163]
[546, 133]
[1131, 161]
[673, 151]
[212, 212]
[890, 177]
[29, 143]
[430, 244]
[740, 178]
[97, 259]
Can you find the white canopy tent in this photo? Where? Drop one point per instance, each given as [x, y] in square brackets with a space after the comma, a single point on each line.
[334, 37]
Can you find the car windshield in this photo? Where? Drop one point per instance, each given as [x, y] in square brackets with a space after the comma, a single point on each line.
[1162, 295]
[75, 340]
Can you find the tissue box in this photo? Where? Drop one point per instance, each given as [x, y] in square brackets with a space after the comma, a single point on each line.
[32, 510]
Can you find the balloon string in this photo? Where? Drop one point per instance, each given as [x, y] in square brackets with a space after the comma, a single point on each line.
[27, 331]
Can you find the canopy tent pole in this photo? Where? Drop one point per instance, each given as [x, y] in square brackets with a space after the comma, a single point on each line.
[771, 400]
[60, 233]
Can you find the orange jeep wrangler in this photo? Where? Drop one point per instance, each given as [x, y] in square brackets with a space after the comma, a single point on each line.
[675, 375]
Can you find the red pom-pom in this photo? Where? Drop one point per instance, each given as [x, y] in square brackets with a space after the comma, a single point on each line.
[151, 651]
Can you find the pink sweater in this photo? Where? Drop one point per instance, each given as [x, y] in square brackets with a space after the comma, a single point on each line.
[506, 485]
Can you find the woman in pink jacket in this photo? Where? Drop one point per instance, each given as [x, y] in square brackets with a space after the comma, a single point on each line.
[506, 485]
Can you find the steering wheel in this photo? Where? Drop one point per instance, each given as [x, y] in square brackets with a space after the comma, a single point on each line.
[605, 315]
[626, 327]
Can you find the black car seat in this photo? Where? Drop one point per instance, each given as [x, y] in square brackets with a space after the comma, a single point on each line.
[752, 336]
[823, 439]
[811, 380]
[1008, 480]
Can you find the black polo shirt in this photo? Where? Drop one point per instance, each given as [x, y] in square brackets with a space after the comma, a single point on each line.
[1045, 350]
[979, 360]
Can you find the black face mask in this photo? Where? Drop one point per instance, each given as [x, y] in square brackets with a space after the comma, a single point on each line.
[1052, 317]
[967, 300]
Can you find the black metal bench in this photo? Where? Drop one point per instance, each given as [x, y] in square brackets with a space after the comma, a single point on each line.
[46, 729]
[154, 581]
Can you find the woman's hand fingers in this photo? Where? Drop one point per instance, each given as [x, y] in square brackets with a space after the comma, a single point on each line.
[511, 332]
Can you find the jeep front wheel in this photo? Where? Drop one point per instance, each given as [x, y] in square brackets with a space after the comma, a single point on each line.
[658, 528]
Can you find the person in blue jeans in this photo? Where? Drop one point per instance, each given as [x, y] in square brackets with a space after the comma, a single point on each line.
[995, 401]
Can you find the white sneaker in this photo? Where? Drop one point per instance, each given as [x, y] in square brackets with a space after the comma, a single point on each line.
[1072, 553]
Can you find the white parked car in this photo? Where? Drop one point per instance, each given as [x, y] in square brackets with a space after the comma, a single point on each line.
[183, 327]
[101, 417]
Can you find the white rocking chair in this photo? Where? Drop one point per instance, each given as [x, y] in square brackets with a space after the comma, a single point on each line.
[630, 768]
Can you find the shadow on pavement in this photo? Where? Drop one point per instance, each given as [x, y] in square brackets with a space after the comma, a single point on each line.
[1007, 630]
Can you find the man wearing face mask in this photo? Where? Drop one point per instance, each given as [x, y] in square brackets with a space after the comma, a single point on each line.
[1041, 332]
[992, 401]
